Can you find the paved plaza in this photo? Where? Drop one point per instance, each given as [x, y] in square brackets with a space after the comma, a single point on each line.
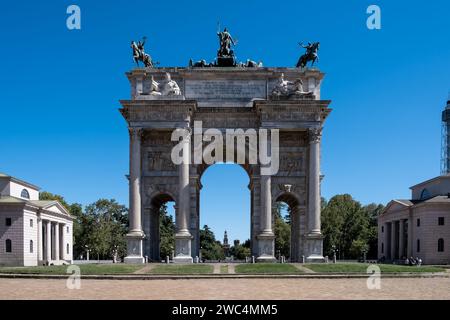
[212, 289]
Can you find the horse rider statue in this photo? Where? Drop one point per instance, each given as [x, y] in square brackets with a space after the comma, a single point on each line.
[139, 53]
[310, 55]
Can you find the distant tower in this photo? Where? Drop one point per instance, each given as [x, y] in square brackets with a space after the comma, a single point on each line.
[445, 152]
[225, 245]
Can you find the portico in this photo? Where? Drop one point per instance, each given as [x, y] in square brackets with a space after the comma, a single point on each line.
[52, 241]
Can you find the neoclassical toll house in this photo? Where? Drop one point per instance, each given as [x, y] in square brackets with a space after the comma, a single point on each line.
[247, 98]
[32, 232]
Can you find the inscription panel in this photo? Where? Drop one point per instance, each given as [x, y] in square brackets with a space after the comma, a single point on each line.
[217, 92]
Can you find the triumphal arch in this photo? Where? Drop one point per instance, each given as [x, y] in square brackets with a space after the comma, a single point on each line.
[181, 111]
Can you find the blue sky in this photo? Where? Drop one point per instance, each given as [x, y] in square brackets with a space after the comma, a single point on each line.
[60, 127]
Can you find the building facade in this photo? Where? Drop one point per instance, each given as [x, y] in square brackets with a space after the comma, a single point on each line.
[32, 232]
[255, 99]
[419, 227]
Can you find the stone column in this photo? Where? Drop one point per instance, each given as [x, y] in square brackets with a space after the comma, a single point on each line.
[266, 237]
[266, 245]
[48, 249]
[410, 236]
[63, 245]
[401, 239]
[385, 241]
[40, 240]
[183, 238]
[393, 240]
[295, 234]
[135, 234]
[56, 249]
[314, 236]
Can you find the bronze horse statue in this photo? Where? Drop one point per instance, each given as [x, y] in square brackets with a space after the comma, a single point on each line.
[310, 54]
[140, 55]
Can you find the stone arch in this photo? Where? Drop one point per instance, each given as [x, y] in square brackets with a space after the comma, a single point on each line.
[298, 222]
[151, 222]
[201, 169]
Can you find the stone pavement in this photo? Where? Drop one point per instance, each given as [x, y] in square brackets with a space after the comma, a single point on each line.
[146, 269]
[212, 289]
[217, 268]
[302, 268]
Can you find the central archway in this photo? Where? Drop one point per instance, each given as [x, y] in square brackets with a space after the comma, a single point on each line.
[226, 202]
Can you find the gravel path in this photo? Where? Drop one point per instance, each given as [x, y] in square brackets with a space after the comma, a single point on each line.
[397, 288]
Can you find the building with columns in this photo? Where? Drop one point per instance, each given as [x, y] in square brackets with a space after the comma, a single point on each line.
[32, 232]
[283, 101]
[418, 227]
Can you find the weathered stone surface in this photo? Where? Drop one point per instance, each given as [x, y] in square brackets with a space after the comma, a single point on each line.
[229, 98]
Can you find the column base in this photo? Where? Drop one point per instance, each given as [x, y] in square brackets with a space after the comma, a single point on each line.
[183, 259]
[135, 248]
[314, 248]
[183, 241]
[266, 247]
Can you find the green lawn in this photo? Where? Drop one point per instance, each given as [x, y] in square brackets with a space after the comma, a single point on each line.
[224, 269]
[182, 269]
[362, 268]
[267, 268]
[98, 269]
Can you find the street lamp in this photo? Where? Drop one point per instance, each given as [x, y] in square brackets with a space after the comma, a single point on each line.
[364, 251]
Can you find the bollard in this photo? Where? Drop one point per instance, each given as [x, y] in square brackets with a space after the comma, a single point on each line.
[167, 259]
[253, 259]
[326, 259]
[146, 259]
[303, 259]
[196, 259]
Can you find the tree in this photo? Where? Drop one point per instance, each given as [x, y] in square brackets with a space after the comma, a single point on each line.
[282, 230]
[373, 211]
[349, 226]
[240, 251]
[358, 247]
[105, 226]
[44, 195]
[210, 248]
[167, 232]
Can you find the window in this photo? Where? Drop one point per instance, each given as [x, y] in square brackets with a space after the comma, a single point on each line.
[418, 245]
[67, 248]
[382, 228]
[8, 245]
[441, 221]
[382, 247]
[31, 246]
[418, 222]
[67, 229]
[8, 222]
[25, 194]
[31, 223]
[425, 194]
[441, 245]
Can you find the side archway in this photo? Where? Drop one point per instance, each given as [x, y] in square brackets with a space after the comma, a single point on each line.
[151, 224]
[297, 220]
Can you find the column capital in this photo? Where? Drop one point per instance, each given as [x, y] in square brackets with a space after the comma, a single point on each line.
[315, 135]
[136, 132]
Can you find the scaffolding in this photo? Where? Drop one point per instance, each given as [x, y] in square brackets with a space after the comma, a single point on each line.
[445, 140]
